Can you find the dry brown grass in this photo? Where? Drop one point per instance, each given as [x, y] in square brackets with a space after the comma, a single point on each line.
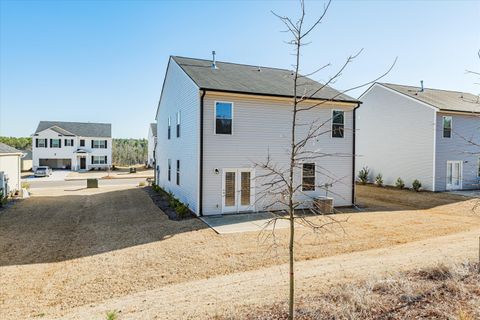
[440, 292]
[60, 252]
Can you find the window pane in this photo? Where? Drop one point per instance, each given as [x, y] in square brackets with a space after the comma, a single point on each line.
[338, 123]
[338, 117]
[245, 189]
[229, 189]
[223, 121]
[308, 177]
[337, 131]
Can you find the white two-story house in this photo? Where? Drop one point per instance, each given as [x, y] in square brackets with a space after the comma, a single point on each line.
[411, 132]
[72, 145]
[152, 141]
[217, 120]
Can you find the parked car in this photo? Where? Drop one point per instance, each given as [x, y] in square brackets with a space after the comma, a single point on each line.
[43, 171]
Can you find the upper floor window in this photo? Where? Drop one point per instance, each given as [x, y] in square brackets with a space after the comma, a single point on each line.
[41, 143]
[223, 117]
[169, 127]
[308, 177]
[55, 143]
[68, 142]
[338, 123]
[99, 144]
[82, 143]
[178, 172]
[178, 124]
[447, 127]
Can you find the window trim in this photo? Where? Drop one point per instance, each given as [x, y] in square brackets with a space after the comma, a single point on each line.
[59, 143]
[215, 117]
[331, 124]
[45, 143]
[314, 176]
[443, 127]
[69, 141]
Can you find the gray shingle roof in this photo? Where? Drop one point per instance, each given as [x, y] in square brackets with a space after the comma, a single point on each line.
[4, 148]
[84, 129]
[443, 99]
[240, 78]
[153, 127]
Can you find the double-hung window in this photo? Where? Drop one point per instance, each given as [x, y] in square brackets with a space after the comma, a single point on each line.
[99, 159]
[68, 142]
[55, 143]
[338, 123]
[223, 117]
[99, 144]
[82, 142]
[169, 171]
[178, 124]
[447, 127]
[41, 143]
[169, 127]
[308, 177]
[178, 172]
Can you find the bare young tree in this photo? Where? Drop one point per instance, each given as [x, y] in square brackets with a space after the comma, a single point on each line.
[281, 191]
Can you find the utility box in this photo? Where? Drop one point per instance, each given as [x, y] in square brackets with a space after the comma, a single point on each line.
[323, 205]
[92, 183]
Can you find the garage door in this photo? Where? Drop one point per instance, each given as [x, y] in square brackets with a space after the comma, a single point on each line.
[57, 163]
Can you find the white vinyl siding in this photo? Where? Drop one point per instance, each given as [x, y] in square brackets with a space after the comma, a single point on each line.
[395, 137]
[179, 96]
[262, 126]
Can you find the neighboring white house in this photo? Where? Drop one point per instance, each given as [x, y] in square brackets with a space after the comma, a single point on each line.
[72, 145]
[417, 133]
[26, 160]
[152, 141]
[216, 119]
[9, 169]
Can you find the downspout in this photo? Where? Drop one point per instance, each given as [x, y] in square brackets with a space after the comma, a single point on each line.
[200, 187]
[354, 152]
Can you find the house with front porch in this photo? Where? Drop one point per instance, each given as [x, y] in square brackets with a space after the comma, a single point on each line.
[413, 132]
[217, 120]
[72, 145]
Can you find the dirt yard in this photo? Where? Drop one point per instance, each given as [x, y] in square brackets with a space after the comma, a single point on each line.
[71, 252]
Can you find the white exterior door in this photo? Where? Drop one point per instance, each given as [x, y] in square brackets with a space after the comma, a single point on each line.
[454, 175]
[238, 192]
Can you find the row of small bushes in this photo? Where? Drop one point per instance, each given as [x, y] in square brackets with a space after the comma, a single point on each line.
[400, 184]
[180, 208]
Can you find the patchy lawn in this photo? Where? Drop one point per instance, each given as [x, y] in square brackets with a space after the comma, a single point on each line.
[61, 252]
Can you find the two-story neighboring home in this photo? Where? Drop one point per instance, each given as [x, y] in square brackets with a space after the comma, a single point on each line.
[152, 141]
[215, 120]
[72, 145]
[418, 133]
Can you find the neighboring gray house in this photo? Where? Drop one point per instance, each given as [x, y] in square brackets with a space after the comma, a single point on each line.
[417, 133]
[152, 141]
[10, 179]
[215, 119]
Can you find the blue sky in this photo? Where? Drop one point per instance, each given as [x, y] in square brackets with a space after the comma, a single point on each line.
[104, 61]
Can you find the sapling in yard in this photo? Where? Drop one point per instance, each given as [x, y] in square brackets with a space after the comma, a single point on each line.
[416, 185]
[399, 183]
[379, 180]
[363, 175]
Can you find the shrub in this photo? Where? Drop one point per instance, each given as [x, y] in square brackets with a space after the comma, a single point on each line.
[379, 180]
[363, 175]
[416, 185]
[182, 210]
[111, 315]
[399, 183]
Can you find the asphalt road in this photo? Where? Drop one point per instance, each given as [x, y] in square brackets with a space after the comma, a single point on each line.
[82, 183]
